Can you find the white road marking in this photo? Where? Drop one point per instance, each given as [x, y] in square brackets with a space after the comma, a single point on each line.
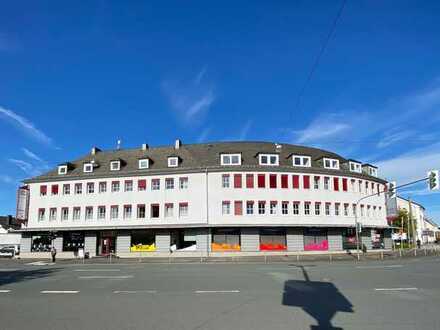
[135, 291]
[379, 267]
[5, 291]
[96, 277]
[40, 263]
[97, 270]
[395, 289]
[59, 291]
[217, 291]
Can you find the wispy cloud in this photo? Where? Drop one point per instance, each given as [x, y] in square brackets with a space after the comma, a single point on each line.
[27, 126]
[394, 137]
[245, 130]
[204, 135]
[26, 167]
[32, 167]
[31, 155]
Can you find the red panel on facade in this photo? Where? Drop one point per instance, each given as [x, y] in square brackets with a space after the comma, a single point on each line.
[295, 181]
[238, 207]
[43, 190]
[54, 189]
[306, 181]
[272, 180]
[344, 184]
[142, 184]
[237, 180]
[261, 181]
[249, 180]
[284, 181]
[336, 184]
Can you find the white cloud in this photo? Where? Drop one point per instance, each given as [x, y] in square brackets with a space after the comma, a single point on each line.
[200, 105]
[26, 167]
[25, 125]
[35, 166]
[31, 155]
[245, 130]
[392, 138]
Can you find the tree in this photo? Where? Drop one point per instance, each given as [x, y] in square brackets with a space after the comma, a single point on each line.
[403, 217]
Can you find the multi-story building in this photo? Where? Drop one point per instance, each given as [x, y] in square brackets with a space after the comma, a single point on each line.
[213, 197]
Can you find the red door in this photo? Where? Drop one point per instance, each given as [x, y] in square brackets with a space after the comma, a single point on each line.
[107, 245]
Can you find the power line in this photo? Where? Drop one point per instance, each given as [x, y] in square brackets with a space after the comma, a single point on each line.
[320, 53]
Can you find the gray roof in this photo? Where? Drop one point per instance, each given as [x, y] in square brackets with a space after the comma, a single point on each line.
[193, 158]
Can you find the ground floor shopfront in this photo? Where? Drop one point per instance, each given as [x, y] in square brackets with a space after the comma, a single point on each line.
[145, 242]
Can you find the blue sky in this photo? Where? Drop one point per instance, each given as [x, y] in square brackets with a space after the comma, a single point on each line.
[78, 74]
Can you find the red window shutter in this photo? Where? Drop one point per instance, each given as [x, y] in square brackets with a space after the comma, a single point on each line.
[261, 181]
[284, 180]
[306, 181]
[183, 203]
[142, 184]
[273, 180]
[249, 180]
[237, 180]
[54, 189]
[336, 184]
[238, 207]
[43, 190]
[295, 181]
[344, 185]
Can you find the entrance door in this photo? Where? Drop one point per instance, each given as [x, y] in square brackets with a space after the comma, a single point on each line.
[107, 245]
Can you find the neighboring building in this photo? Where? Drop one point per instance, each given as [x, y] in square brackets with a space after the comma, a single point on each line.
[430, 231]
[8, 237]
[213, 197]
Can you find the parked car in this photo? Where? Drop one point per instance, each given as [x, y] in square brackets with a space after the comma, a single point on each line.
[7, 251]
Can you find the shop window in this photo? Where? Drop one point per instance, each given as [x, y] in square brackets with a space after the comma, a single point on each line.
[73, 241]
[315, 239]
[41, 243]
[273, 240]
[143, 241]
[377, 239]
[224, 239]
[349, 239]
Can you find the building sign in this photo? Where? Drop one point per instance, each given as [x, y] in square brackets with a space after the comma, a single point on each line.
[391, 206]
[22, 203]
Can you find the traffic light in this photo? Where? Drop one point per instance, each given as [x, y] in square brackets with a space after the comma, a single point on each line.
[433, 180]
[391, 189]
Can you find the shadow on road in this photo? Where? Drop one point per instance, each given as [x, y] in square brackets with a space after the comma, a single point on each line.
[321, 300]
[14, 276]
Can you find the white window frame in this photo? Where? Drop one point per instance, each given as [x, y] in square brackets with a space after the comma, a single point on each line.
[128, 185]
[102, 187]
[52, 213]
[62, 169]
[307, 210]
[249, 207]
[331, 166]
[87, 215]
[41, 214]
[183, 182]
[224, 157]
[101, 215]
[169, 210]
[76, 213]
[142, 165]
[92, 185]
[127, 212]
[226, 181]
[88, 168]
[66, 191]
[183, 210]
[327, 209]
[355, 167]
[155, 184]
[64, 213]
[303, 163]
[273, 207]
[295, 208]
[114, 212]
[284, 208]
[268, 156]
[169, 183]
[226, 207]
[171, 161]
[113, 167]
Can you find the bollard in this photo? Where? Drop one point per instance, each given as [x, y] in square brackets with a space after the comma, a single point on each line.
[381, 255]
[415, 252]
[425, 252]
[330, 257]
[265, 258]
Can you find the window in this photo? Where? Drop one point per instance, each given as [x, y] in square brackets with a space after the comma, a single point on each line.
[127, 211]
[142, 185]
[89, 212]
[102, 187]
[337, 208]
[303, 161]
[128, 185]
[272, 180]
[336, 184]
[231, 159]
[43, 190]
[366, 187]
[225, 181]
[362, 210]
[316, 182]
[261, 181]
[327, 208]
[52, 213]
[295, 181]
[183, 183]
[226, 207]
[169, 208]
[237, 180]
[284, 207]
[114, 212]
[115, 165]
[173, 161]
[225, 239]
[307, 208]
[90, 187]
[284, 181]
[183, 209]
[354, 209]
[169, 183]
[143, 163]
[344, 184]
[238, 208]
[326, 183]
[41, 214]
[331, 163]
[88, 168]
[261, 207]
[373, 172]
[155, 184]
[317, 208]
[54, 189]
[374, 211]
[355, 167]
[306, 182]
[115, 186]
[141, 211]
[273, 207]
[353, 185]
[360, 186]
[346, 210]
[154, 211]
[368, 211]
[250, 207]
[72, 241]
[76, 213]
[268, 159]
[62, 169]
[295, 208]
[66, 189]
[249, 180]
[101, 212]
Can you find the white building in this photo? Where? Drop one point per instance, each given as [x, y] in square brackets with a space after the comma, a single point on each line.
[232, 196]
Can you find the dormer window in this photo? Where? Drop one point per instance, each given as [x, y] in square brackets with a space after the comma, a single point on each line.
[115, 165]
[370, 170]
[88, 168]
[173, 161]
[331, 163]
[230, 159]
[303, 161]
[62, 169]
[373, 171]
[144, 163]
[355, 167]
[269, 159]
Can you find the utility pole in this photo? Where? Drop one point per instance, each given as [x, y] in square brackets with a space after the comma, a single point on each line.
[413, 227]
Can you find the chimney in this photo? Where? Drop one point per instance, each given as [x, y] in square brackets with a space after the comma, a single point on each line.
[144, 146]
[177, 144]
[94, 150]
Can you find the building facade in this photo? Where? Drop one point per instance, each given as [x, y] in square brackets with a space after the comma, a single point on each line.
[205, 198]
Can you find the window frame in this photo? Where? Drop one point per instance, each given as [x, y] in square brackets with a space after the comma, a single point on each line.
[171, 161]
[350, 163]
[230, 156]
[88, 168]
[62, 169]
[331, 160]
[115, 162]
[301, 158]
[140, 161]
[269, 163]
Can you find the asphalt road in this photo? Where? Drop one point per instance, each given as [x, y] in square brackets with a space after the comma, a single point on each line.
[393, 294]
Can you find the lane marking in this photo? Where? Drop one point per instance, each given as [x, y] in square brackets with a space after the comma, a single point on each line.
[97, 270]
[5, 291]
[379, 267]
[59, 291]
[109, 277]
[395, 289]
[40, 263]
[135, 291]
[217, 291]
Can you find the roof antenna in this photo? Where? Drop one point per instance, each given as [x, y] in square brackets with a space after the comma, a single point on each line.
[118, 145]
